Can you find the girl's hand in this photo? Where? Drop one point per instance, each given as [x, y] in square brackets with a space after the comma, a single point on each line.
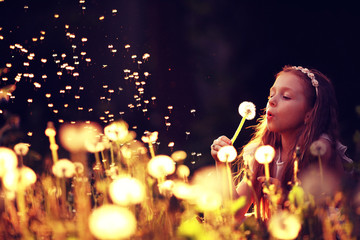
[274, 181]
[218, 143]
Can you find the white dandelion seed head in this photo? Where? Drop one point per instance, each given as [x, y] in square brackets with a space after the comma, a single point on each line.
[112, 222]
[126, 191]
[265, 154]
[318, 148]
[227, 154]
[161, 166]
[247, 110]
[64, 168]
[21, 149]
[284, 225]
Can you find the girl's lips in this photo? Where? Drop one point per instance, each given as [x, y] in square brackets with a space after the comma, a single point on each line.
[269, 115]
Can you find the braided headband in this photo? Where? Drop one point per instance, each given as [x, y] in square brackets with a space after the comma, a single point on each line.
[306, 71]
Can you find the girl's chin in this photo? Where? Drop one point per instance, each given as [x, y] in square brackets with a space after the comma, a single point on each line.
[271, 128]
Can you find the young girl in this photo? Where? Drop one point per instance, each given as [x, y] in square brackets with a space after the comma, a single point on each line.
[301, 109]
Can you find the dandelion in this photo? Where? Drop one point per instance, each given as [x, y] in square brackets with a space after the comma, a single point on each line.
[96, 144]
[79, 168]
[126, 191]
[21, 149]
[179, 155]
[183, 172]
[264, 155]
[150, 138]
[112, 222]
[160, 166]
[284, 225]
[74, 136]
[64, 168]
[8, 160]
[50, 132]
[119, 132]
[247, 110]
[227, 154]
[27, 176]
[11, 179]
[166, 188]
[318, 148]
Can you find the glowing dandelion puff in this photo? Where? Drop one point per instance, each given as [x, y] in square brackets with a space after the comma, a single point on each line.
[247, 110]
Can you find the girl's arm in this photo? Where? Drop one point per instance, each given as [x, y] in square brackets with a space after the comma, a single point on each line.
[243, 189]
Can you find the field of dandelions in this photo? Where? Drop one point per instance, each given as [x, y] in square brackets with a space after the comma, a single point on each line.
[127, 190]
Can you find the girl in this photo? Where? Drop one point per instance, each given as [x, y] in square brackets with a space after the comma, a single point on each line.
[301, 109]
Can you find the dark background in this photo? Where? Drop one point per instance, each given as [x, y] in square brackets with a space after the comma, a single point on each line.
[206, 56]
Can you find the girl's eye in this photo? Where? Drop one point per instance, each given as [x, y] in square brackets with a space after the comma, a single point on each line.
[286, 97]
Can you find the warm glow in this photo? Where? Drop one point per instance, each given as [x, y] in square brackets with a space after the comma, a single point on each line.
[265, 154]
[8, 160]
[183, 171]
[126, 191]
[64, 168]
[27, 176]
[247, 110]
[117, 131]
[74, 136]
[161, 166]
[111, 222]
[227, 154]
[21, 149]
[284, 225]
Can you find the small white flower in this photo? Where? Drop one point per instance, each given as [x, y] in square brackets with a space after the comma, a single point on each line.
[183, 171]
[150, 137]
[64, 168]
[284, 225]
[126, 191]
[112, 222]
[161, 166]
[318, 148]
[227, 154]
[21, 149]
[264, 154]
[247, 110]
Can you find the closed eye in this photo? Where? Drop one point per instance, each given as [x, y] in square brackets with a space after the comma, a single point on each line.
[286, 97]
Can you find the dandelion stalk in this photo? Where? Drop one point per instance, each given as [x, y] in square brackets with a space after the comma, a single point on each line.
[247, 111]
[318, 148]
[228, 154]
[238, 129]
[50, 132]
[321, 170]
[228, 173]
[151, 148]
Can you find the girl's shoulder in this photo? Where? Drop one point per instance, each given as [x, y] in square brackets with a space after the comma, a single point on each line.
[340, 148]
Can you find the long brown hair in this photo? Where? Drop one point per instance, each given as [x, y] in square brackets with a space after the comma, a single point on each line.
[322, 120]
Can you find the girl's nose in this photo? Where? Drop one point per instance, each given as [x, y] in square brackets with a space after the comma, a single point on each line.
[272, 102]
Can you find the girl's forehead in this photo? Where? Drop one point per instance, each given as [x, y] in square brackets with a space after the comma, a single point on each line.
[289, 81]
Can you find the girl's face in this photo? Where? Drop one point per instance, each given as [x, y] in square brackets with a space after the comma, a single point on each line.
[287, 106]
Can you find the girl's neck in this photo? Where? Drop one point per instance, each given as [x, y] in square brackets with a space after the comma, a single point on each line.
[288, 141]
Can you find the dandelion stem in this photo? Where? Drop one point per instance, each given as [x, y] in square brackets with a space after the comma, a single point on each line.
[321, 170]
[228, 173]
[267, 171]
[295, 171]
[151, 150]
[238, 129]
